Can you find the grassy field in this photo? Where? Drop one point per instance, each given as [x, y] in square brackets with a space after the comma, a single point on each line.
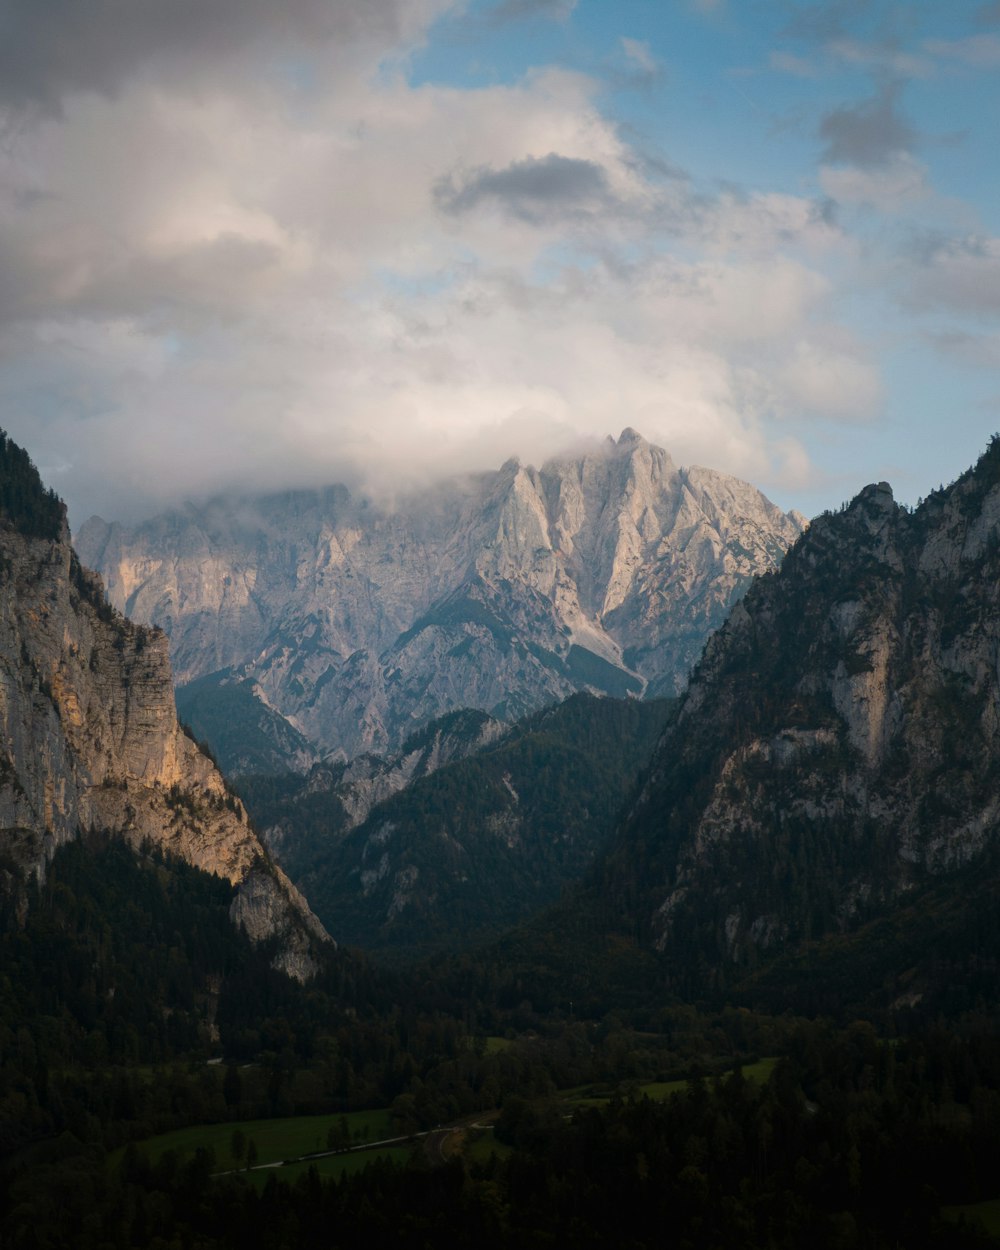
[480, 1144]
[275, 1140]
[596, 1096]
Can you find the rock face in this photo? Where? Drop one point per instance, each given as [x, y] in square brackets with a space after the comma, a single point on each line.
[91, 739]
[504, 591]
[838, 747]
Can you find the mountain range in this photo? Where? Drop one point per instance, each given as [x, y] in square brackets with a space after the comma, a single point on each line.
[334, 626]
[798, 897]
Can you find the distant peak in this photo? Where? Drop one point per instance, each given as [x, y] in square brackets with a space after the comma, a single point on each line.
[630, 438]
[879, 494]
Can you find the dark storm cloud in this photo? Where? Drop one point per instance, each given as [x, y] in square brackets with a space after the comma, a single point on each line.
[51, 47]
[533, 189]
[867, 134]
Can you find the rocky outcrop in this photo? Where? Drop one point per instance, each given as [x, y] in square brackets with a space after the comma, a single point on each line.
[91, 739]
[504, 591]
[839, 744]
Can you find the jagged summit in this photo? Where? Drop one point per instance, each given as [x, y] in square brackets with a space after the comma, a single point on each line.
[505, 591]
[630, 438]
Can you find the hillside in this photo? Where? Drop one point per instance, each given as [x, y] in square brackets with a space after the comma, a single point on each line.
[468, 847]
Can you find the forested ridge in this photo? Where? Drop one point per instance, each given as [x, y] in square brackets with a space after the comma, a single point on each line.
[475, 847]
[25, 503]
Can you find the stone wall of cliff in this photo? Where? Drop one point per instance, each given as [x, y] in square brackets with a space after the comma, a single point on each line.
[90, 738]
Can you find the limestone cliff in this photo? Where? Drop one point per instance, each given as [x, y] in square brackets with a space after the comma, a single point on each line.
[838, 747]
[91, 739]
[503, 591]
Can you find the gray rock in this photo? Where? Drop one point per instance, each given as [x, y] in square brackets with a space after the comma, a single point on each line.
[502, 591]
[91, 739]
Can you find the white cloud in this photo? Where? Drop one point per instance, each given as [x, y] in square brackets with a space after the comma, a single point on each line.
[797, 66]
[245, 283]
[639, 52]
[958, 273]
[891, 188]
[981, 51]
[825, 380]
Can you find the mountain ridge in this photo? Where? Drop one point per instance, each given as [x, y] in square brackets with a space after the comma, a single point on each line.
[837, 749]
[502, 591]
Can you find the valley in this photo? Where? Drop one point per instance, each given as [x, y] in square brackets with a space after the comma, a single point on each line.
[723, 962]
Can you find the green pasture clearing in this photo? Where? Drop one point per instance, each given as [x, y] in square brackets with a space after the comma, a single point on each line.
[481, 1143]
[274, 1140]
[985, 1214]
[761, 1070]
[598, 1095]
[496, 1044]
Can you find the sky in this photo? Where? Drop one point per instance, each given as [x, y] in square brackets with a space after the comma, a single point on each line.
[249, 245]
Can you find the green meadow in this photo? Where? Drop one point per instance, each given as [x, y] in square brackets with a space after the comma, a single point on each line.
[273, 1140]
[598, 1095]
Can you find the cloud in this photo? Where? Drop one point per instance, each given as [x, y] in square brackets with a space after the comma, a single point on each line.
[530, 189]
[640, 54]
[979, 51]
[825, 22]
[824, 380]
[981, 350]
[957, 273]
[891, 188]
[52, 49]
[867, 134]
[214, 278]
[520, 10]
[796, 66]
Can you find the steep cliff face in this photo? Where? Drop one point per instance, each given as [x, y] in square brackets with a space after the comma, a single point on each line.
[839, 745]
[503, 592]
[91, 739]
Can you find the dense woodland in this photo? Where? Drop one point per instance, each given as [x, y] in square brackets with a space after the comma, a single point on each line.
[24, 503]
[126, 977]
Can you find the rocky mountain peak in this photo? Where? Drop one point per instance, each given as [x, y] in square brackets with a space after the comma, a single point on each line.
[503, 591]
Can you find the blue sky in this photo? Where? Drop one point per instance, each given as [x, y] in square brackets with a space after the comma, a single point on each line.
[251, 246]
